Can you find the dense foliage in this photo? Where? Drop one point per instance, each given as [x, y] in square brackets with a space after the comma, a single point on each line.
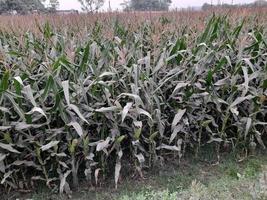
[257, 3]
[78, 108]
[143, 5]
[21, 6]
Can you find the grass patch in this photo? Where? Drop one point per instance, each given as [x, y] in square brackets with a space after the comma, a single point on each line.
[192, 179]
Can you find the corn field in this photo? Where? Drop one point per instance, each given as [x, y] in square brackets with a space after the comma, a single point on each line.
[83, 99]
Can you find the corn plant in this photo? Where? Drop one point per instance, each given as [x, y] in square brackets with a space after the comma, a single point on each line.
[76, 108]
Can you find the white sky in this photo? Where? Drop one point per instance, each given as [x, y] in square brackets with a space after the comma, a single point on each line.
[115, 4]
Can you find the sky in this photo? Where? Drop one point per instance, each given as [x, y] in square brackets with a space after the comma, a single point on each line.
[115, 4]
